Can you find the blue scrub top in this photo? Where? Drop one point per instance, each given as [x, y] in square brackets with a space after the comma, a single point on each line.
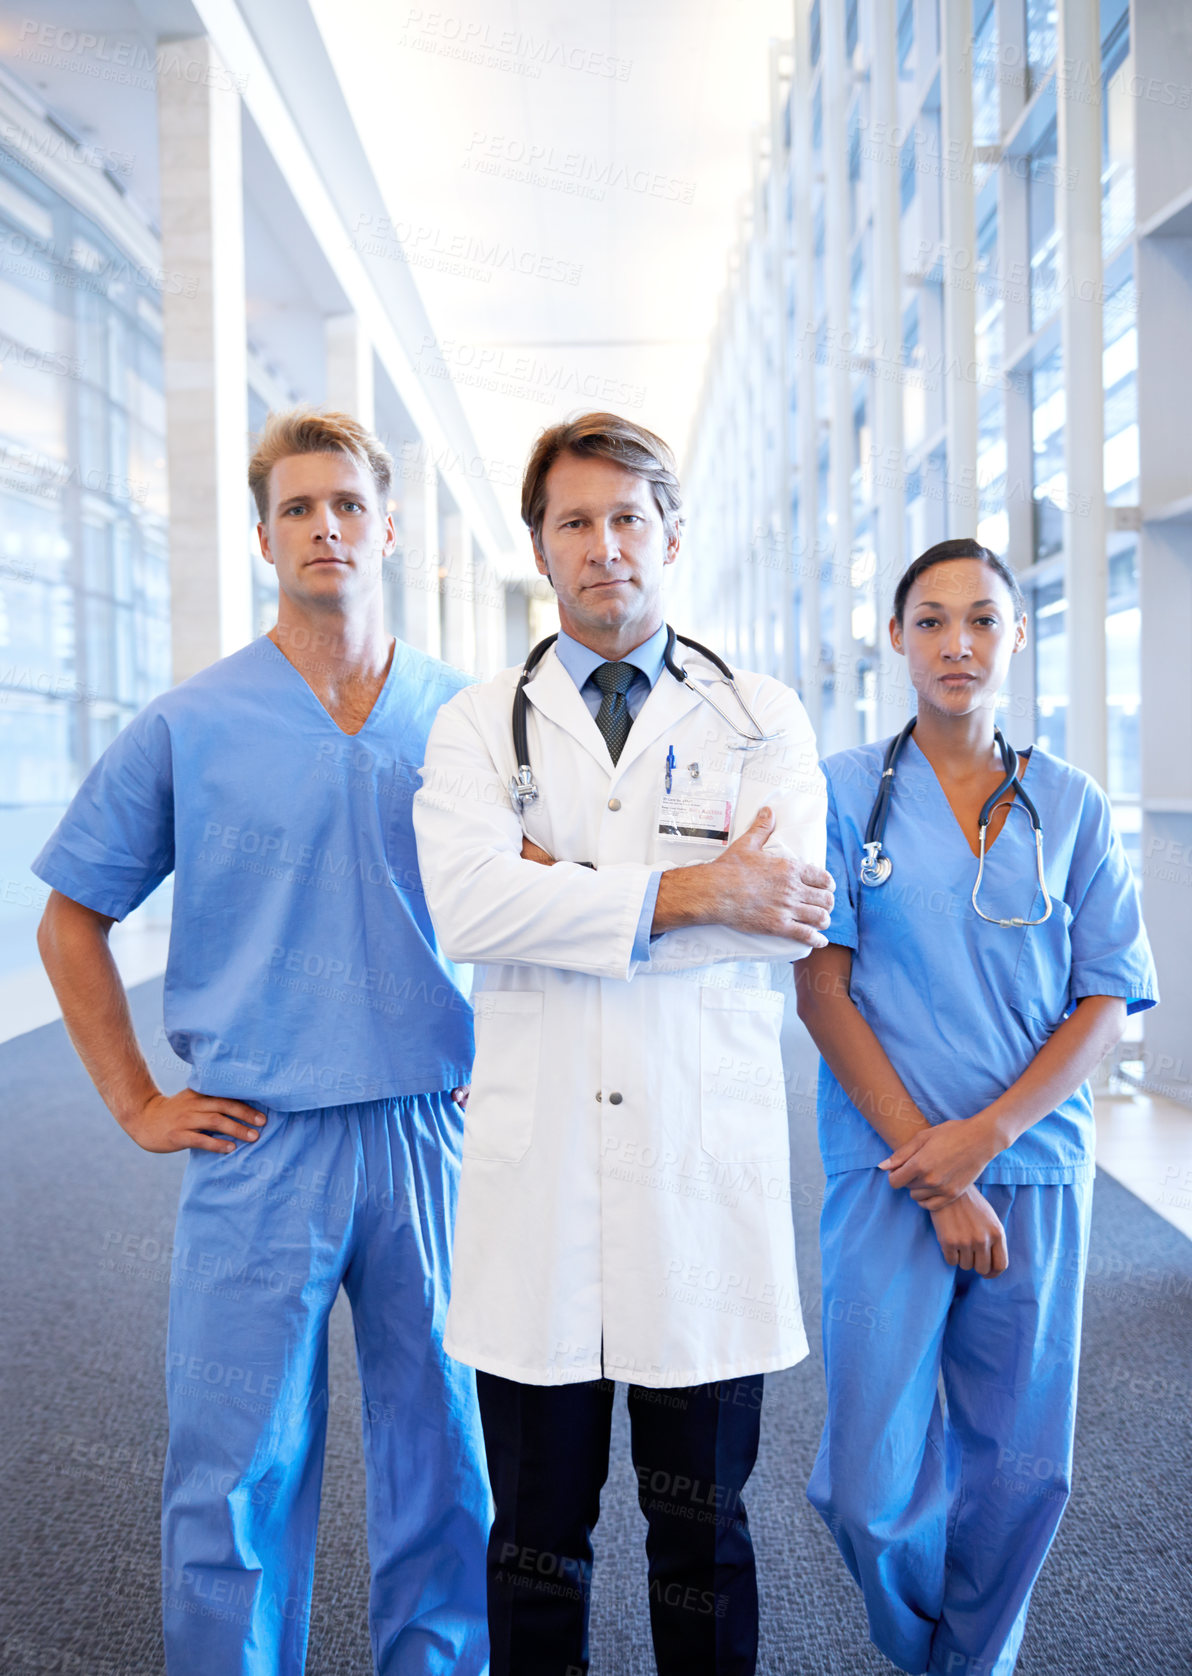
[962, 1007]
[303, 968]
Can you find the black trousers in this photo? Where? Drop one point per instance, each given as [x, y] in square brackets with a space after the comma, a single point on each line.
[693, 1449]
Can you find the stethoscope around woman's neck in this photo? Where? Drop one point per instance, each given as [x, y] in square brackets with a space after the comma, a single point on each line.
[523, 788]
[876, 867]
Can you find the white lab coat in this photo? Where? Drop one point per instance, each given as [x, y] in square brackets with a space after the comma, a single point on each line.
[624, 1204]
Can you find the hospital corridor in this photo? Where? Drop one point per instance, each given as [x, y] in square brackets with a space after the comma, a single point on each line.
[596, 837]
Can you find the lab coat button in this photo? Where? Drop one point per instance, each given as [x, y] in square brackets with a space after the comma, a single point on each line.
[614, 1099]
[614, 804]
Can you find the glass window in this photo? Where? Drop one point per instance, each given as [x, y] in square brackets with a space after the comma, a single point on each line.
[264, 577]
[1044, 228]
[850, 29]
[906, 39]
[815, 33]
[824, 521]
[1123, 672]
[1119, 375]
[862, 481]
[916, 520]
[823, 372]
[84, 568]
[914, 395]
[1050, 626]
[1050, 487]
[1040, 40]
[827, 605]
[989, 298]
[818, 261]
[858, 317]
[1117, 139]
[993, 529]
[854, 165]
[908, 184]
[986, 116]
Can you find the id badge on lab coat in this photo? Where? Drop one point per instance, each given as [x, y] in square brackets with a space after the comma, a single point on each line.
[698, 809]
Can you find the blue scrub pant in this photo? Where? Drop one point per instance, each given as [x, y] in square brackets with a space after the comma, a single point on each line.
[944, 1519]
[361, 1196]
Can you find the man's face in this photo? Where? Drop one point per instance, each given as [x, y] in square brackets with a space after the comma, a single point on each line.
[325, 534]
[604, 547]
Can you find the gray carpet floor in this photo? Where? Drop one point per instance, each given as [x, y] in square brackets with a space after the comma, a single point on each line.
[86, 1230]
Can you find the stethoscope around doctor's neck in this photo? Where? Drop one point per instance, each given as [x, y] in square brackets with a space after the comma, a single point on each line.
[876, 867]
[523, 787]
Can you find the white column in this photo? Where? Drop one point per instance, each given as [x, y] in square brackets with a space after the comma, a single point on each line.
[776, 554]
[893, 699]
[459, 594]
[807, 556]
[349, 381]
[960, 238]
[1078, 101]
[490, 617]
[420, 559]
[837, 280]
[202, 239]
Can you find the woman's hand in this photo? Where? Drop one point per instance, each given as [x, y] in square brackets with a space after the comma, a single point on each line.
[941, 1162]
[971, 1236]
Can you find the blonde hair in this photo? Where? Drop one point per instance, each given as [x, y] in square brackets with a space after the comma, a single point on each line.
[605, 436]
[313, 430]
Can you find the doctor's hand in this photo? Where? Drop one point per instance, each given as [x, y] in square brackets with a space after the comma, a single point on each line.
[174, 1122]
[971, 1236]
[941, 1162]
[768, 891]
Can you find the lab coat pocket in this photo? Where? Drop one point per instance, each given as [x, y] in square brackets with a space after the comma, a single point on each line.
[500, 1118]
[742, 1088]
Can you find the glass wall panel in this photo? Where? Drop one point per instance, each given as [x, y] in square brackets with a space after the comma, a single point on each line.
[84, 577]
[906, 39]
[1119, 374]
[1041, 29]
[1049, 624]
[1044, 228]
[1118, 102]
[914, 395]
[1122, 626]
[993, 529]
[264, 577]
[986, 84]
[1050, 487]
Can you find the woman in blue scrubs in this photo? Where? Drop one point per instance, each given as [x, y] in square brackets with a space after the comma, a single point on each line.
[956, 1126]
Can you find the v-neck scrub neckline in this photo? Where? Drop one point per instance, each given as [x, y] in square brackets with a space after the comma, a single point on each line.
[378, 702]
[928, 766]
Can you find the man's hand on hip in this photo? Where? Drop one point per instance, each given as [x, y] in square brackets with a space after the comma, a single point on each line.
[175, 1122]
[749, 889]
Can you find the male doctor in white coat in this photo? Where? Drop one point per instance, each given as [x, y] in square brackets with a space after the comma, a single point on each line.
[624, 1205]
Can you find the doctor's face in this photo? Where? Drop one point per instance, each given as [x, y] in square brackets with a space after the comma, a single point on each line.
[604, 547]
[326, 534]
[958, 634]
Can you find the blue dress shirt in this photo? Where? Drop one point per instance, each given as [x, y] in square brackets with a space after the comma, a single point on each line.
[581, 662]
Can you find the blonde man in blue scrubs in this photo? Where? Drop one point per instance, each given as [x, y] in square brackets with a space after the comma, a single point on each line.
[325, 1034]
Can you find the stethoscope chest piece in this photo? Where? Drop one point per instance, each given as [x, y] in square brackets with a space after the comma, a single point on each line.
[876, 867]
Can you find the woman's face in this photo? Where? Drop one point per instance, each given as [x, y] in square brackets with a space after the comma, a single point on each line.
[958, 634]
